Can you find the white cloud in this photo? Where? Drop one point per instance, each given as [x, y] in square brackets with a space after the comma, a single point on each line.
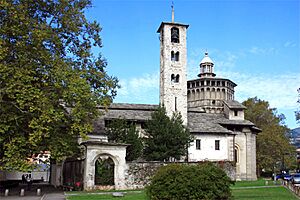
[263, 51]
[279, 90]
[289, 44]
[142, 89]
[226, 60]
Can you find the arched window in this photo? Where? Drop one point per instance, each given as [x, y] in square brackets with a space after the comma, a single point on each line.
[174, 56]
[202, 93]
[189, 94]
[177, 78]
[175, 35]
[236, 154]
[177, 56]
[173, 78]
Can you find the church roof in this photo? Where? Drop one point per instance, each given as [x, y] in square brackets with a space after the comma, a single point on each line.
[170, 23]
[206, 123]
[129, 106]
[232, 104]
[132, 112]
[198, 122]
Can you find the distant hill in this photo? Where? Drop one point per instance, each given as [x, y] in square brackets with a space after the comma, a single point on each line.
[294, 136]
[296, 130]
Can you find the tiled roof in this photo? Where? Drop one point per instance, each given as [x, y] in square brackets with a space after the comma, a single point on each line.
[198, 122]
[206, 123]
[128, 106]
[232, 104]
[132, 112]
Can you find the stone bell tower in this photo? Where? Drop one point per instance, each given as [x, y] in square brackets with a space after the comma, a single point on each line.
[173, 59]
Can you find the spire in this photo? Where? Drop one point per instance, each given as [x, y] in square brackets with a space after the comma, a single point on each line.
[172, 11]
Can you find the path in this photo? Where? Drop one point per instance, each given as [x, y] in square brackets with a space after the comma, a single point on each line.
[48, 192]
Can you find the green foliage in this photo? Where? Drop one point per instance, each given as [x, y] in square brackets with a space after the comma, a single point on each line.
[50, 82]
[119, 130]
[273, 147]
[189, 182]
[165, 137]
[104, 172]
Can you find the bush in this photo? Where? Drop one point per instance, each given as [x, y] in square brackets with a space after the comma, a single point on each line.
[189, 182]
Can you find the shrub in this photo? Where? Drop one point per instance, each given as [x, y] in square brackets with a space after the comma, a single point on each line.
[189, 182]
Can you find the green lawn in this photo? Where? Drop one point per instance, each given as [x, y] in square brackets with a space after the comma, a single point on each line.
[260, 182]
[239, 191]
[275, 193]
[129, 196]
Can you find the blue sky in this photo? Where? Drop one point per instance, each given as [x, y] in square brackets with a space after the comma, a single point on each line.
[254, 43]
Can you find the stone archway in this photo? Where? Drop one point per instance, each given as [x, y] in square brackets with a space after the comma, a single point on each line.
[115, 156]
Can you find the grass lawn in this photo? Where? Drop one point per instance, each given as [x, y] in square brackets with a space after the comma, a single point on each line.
[238, 191]
[129, 196]
[260, 182]
[275, 193]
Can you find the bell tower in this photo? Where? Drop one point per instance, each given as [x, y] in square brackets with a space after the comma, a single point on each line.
[173, 59]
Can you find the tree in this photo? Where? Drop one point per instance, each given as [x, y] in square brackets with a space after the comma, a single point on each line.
[273, 147]
[189, 182]
[50, 81]
[166, 137]
[119, 130]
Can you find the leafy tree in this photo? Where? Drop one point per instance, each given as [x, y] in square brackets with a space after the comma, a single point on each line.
[189, 182]
[273, 147]
[166, 137]
[50, 81]
[119, 130]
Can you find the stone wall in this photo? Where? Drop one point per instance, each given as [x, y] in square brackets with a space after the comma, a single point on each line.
[138, 174]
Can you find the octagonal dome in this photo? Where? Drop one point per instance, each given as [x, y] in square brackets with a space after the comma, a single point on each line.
[206, 59]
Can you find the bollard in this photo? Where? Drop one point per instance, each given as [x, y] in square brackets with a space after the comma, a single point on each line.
[267, 182]
[22, 192]
[38, 192]
[6, 192]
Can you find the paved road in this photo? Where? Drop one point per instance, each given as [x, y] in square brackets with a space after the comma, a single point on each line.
[52, 196]
[48, 192]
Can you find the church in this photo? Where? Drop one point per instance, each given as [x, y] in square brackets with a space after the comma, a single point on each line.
[214, 119]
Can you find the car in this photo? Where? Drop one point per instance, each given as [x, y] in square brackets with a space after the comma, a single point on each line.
[287, 177]
[296, 178]
[283, 176]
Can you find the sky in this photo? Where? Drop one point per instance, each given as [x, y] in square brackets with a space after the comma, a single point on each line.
[254, 43]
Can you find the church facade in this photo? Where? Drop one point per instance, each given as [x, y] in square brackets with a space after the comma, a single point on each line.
[214, 119]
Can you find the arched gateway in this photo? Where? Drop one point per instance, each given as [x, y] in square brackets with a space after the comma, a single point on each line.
[104, 165]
